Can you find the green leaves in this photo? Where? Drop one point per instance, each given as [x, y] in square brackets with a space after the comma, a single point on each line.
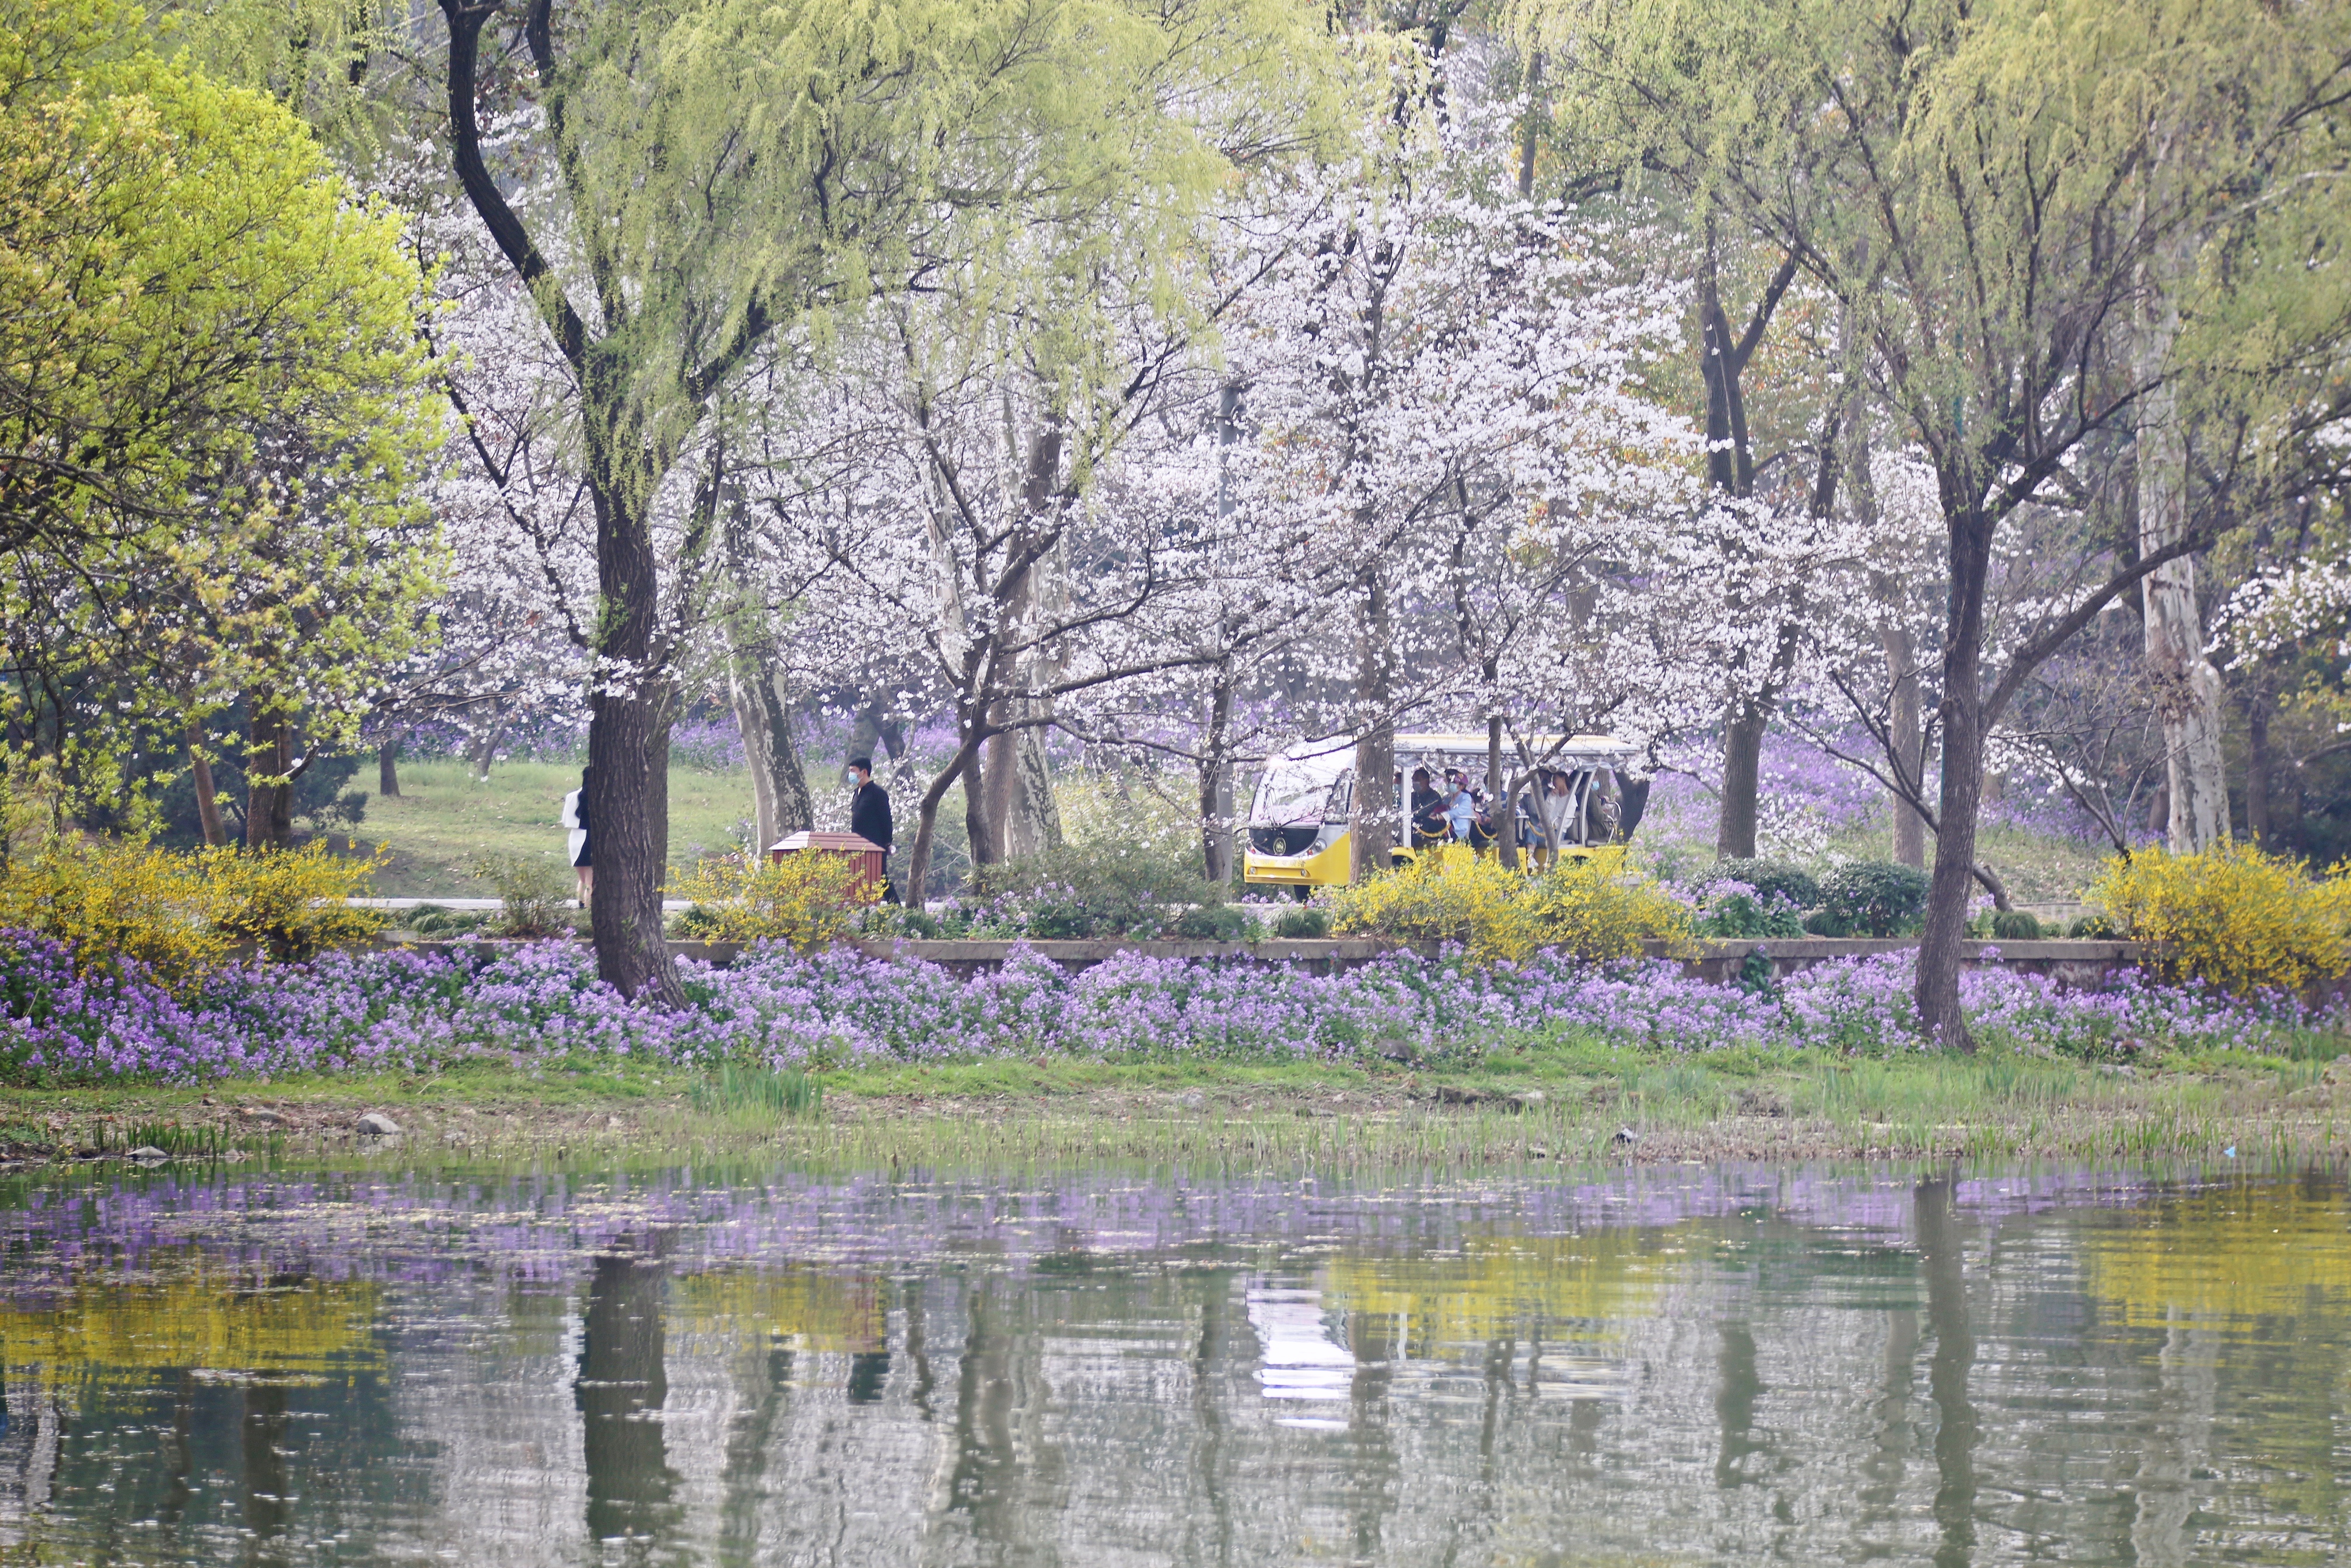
[213, 397]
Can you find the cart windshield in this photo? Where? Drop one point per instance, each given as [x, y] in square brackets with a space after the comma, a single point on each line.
[1299, 792]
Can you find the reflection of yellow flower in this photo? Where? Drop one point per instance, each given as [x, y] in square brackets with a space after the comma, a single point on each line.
[2214, 1256]
[825, 1311]
[117, 1331]
[1499, 1282]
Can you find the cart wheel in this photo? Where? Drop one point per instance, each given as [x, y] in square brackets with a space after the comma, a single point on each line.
[1304, 893]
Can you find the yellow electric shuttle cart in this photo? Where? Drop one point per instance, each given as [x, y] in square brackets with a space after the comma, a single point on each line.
[1297, 834]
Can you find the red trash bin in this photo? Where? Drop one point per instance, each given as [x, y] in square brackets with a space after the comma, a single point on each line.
[870, 858]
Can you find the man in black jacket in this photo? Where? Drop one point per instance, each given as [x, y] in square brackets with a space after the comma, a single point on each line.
[869, 811]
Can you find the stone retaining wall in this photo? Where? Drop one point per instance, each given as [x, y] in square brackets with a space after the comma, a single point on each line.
[2069, 963]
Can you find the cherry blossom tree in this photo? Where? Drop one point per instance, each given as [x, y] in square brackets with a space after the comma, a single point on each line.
[1443, 393]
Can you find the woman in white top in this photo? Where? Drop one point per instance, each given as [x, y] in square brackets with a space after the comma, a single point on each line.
[575, 817]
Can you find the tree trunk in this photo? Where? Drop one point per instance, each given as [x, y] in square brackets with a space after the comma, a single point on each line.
[1217, 825]
[761, 698]
[2187, 689]
[1731, 469]
[485, 749]
[759, 690]
[200, 768]
[657, 795]
[979, 820]
[1371, 825]
[628, 752]
[927, 822]
[1937, 992]
[387, 765]
[1498, 790]
[2257, 764]
[866, 731]
[622, 464]
[268, 807]
[1906, 728]
[1742, 766]
[1033, 822]
[1015, 794]
[876, 734]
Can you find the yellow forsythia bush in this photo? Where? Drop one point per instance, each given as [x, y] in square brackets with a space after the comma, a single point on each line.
[108, 897]
[1597, 907]
[184, 913]
[294, 904]
[806, 899]
[1602, 907]
[2231, 917]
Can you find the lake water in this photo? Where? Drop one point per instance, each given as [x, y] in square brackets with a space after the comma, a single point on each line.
[1660, 1366]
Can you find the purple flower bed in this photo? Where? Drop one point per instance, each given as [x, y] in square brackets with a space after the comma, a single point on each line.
[542, 1002]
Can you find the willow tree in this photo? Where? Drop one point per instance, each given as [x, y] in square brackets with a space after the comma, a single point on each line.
[676, 182]
[1994, 193]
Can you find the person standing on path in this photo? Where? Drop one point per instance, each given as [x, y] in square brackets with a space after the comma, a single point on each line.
[869, 815]
[575, 817]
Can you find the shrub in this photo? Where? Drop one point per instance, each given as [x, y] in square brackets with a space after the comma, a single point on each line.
[1871, 898]
[1767, 877]
[181, 914]
[2094, 927]
[1595, 907]
[1443, 896]
[1101, 888]
[897, 921]
[532, 891]
[112, 899]
[2231, 918]
[1213, 922]
[2016, 925]
[1309, 924]
[806, 900]
[293, 903]
[345, 812]
[1600, 908]
[1734, 909]
[433, 920]
[694, 923]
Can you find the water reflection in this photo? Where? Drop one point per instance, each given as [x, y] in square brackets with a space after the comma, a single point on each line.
[623, 1383]
[1706, 1366]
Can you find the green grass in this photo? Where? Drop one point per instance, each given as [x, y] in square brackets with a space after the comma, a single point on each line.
[759, 1094]
[1564, 1098]
[2038, 868]
[443, 821]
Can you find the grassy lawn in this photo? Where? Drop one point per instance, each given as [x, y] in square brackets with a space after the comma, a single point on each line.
[443, 821]
[2038, 868]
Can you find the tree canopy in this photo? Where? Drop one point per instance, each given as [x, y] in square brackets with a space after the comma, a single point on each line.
[215, 406]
